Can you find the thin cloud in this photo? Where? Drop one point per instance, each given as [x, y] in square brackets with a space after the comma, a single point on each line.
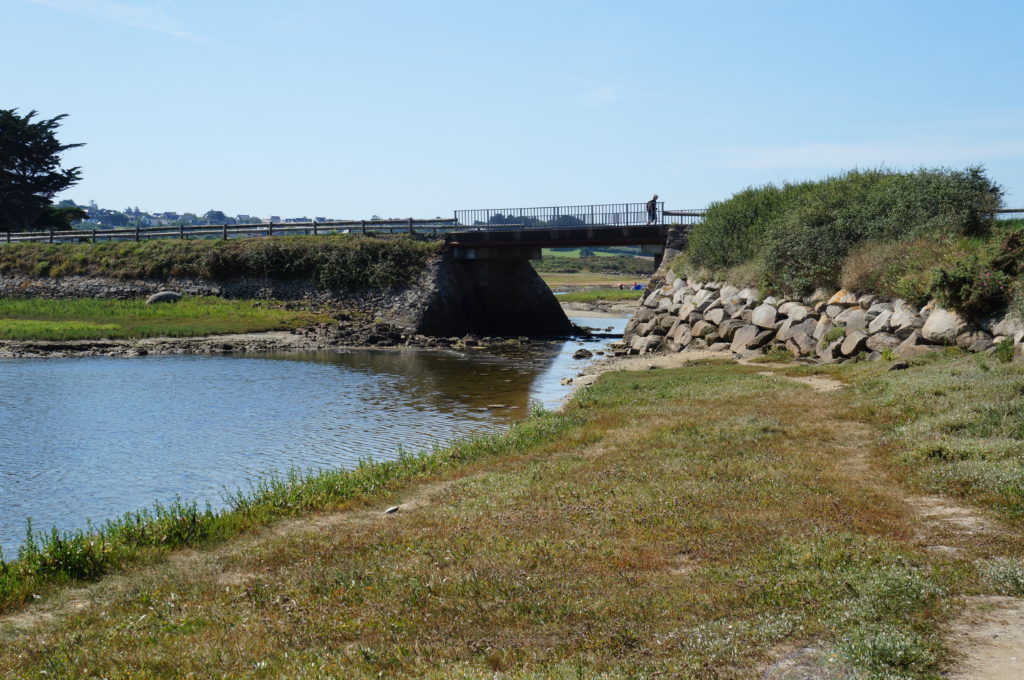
[939, 151]
[601, 96]
[147, 16]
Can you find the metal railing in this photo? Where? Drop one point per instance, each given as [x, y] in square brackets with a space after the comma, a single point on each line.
[228, 231]
[1009, 214]
[564, 216]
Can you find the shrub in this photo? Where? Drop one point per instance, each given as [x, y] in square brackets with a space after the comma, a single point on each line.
[970, 286]
[800, 235]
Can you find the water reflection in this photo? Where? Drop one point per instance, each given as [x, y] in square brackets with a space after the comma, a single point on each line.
[95, 437]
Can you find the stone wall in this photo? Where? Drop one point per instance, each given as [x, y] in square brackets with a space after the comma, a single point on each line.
[681, 314]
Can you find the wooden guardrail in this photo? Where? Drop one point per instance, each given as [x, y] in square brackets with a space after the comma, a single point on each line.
[226, 231]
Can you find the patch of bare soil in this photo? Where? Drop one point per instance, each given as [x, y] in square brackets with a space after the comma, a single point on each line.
[809, 663]
[818, 383]
[990, 635]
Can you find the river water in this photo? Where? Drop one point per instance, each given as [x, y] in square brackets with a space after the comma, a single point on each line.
[92, 438]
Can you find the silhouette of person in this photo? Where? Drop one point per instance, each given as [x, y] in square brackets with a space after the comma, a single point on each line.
[652, 210]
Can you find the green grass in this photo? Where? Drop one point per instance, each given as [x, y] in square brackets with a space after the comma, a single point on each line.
[341, 262]
[601, 294]
[691, 523]
[612, 264]
[92, 319]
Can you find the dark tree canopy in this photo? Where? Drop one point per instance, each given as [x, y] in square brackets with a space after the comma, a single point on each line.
[30, 171]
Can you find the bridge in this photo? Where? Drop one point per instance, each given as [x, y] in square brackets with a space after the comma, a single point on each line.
[472, 233]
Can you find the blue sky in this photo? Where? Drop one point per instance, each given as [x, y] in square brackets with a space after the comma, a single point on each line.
[400, 108]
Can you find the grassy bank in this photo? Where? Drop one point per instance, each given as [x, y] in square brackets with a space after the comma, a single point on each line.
[93, 319]
[562, 280]
[691, 523]
[609, 264]
[343, 262]
[600, 295]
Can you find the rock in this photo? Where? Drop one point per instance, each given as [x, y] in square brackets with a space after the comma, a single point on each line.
[746, 315]
[678, 332]
[665, 304]
[783, 333]
[392, 510]
[746, 338]
[666, 321]
[822, 327]
[771, 300]
[582, 354]
[832, 311]
[565, 381]
[799, 312]
[904, 317]
[899, 366]
[1008, 326]
[702, 328]
[943, 326]
[715, 316]
[830, 351]
[965, 340]
[911, 347]
[785, 307]
[764, 316]
[728, 292]
[704, 298]
[981, 345]
[879, 342]
[854, 342]
[644, 315]
[728, 328]
[843, 297]
[652, 299]
[880, 324]
[750, 294]
[801, 344]
[853, 319]
[163, 296]
[719, 347]
[865, 301]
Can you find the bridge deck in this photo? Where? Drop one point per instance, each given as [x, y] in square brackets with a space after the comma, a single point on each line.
[594, 235]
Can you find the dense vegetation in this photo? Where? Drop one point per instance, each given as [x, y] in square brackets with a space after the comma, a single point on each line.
[912, 235]
[342, 262]
[91, 319]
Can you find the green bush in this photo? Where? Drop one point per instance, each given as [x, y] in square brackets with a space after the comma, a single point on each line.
[800, 235]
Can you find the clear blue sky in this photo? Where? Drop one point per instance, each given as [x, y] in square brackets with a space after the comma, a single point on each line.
[346, 109]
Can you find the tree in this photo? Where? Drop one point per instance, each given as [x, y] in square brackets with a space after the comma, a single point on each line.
[60, 217]
[30, 171]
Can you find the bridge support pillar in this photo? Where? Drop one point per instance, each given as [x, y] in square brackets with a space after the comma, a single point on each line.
[657, 251]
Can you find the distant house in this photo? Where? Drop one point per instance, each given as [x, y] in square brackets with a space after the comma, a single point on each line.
[273, 219]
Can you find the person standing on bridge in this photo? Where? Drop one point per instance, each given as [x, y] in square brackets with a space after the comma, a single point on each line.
[652, 210]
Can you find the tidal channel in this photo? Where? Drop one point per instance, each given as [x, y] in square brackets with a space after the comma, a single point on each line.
[88, 439]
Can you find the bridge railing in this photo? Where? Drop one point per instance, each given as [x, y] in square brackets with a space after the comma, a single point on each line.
[562, 216]
[229, 231]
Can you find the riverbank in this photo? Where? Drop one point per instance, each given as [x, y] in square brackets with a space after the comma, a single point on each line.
[711, 520]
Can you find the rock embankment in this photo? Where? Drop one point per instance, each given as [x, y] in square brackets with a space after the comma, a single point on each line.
[683, 314]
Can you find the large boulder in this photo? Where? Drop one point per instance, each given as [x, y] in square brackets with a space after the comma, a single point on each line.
[843, 297]
[764, 316]
[943, 326]
[971, 338]
[750, 337]
[702, 328]
[801, 344]
[904, 319]
[879, 342]
[822, 327]
[853, 319]
[854, 342]
[163, 296]
[880, 324]
[728, 328]
[715, 316]
[912, 347]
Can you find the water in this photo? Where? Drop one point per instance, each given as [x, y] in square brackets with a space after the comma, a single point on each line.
[92, 438]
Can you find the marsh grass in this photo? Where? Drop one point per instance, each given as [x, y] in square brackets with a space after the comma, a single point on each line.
[91, 319]
[671, 523]
[600, 294]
